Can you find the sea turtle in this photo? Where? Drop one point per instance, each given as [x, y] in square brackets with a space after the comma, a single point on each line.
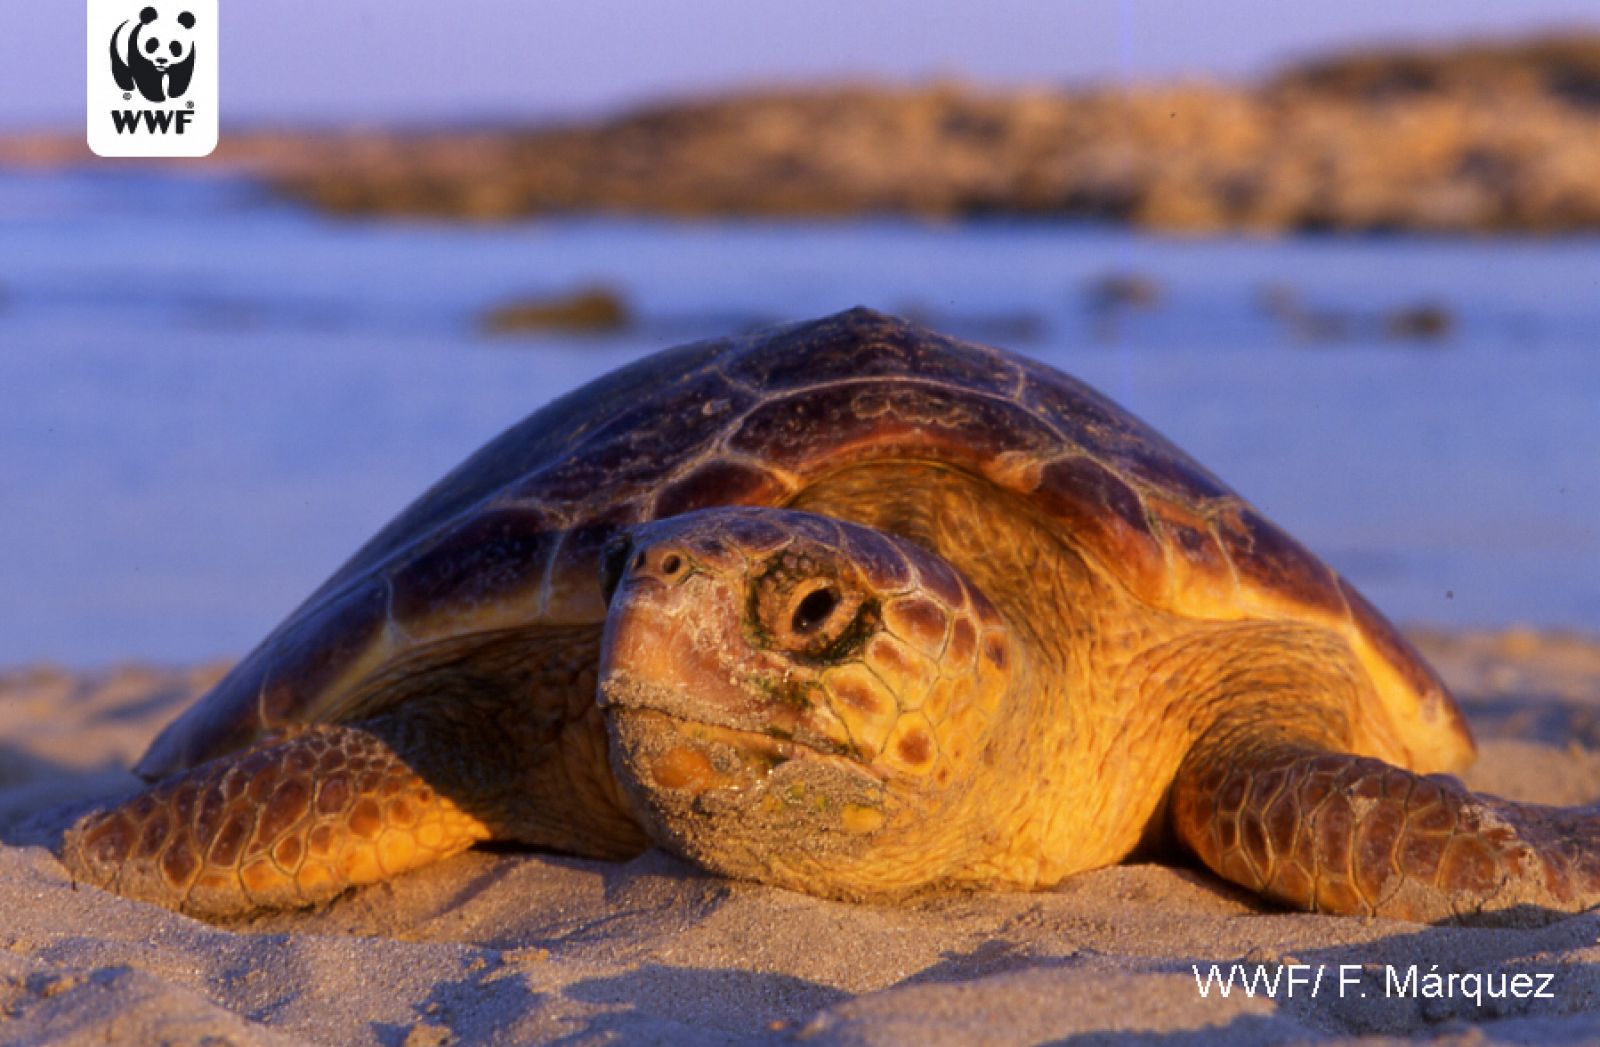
[848, 607]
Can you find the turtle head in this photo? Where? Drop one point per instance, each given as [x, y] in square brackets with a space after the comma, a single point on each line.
[796, 699]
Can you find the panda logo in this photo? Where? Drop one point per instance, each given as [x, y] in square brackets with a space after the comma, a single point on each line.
[157, 49]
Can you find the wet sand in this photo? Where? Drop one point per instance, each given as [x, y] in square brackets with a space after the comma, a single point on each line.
[505, 947]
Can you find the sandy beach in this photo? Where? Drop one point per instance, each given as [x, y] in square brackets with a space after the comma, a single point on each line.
[508, 947]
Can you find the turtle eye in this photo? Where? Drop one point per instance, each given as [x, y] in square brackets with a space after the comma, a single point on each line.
[802, 607]
[813, 609]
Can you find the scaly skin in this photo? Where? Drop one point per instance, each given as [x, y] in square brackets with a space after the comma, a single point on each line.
[1336, 833]
[284, 825]
[510, 748]
[1283, 793]
[831, 752]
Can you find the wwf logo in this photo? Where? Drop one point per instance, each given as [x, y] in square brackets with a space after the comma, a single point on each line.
[158, 94]
[157, 55]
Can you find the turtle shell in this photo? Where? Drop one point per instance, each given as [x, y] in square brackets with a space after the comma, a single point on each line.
[512, 537]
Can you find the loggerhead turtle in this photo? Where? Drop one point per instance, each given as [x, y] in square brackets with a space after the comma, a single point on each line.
[848, 607]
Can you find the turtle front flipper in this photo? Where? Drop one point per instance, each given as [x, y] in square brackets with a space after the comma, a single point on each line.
[287, 824]
[1337, 833]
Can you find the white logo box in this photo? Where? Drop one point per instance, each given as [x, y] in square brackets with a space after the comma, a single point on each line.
[152, 77]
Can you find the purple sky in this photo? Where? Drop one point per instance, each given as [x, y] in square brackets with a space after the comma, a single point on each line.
[358, 60]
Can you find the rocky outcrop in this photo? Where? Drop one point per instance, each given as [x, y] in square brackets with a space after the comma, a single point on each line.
[1484, 138]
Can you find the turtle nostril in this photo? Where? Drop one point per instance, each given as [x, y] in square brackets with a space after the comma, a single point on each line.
[664, 565]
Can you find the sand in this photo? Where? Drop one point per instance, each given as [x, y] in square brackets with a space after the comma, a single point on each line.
[508, 947]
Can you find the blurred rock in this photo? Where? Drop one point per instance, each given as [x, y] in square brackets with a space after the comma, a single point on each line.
[1111, 296]
[1419, 323]
[1564, 65]
[590, 310]
[1112, 292]
[1477, 138]
[1305, 324]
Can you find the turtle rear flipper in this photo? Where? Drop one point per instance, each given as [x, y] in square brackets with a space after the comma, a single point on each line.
[1338, 833]
[289, 824]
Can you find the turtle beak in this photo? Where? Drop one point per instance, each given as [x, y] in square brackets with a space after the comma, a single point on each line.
[677, 637]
